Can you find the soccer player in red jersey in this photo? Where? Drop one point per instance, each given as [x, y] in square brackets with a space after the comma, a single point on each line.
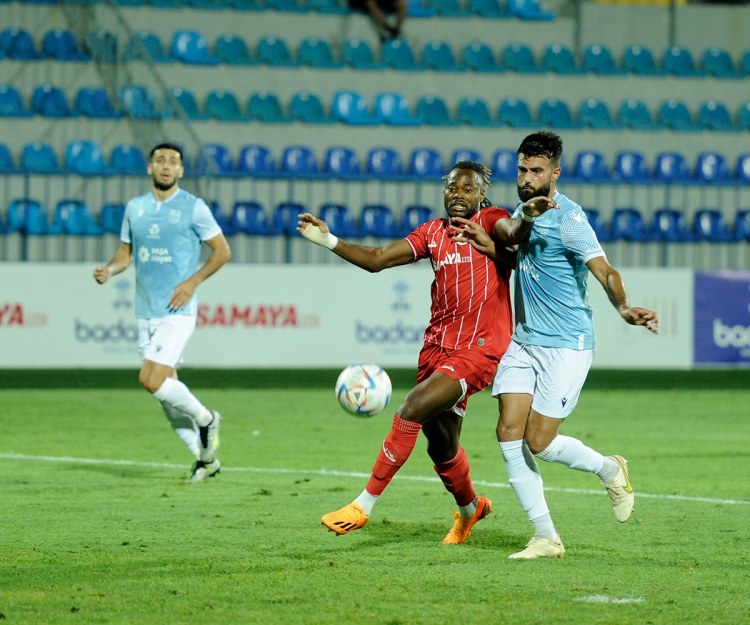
[469, 329]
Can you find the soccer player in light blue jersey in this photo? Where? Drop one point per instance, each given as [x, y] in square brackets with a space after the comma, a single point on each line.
[540, 377]
[162, 232]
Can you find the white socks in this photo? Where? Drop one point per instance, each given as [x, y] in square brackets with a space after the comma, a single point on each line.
[179, 397]
[184, 427]
[366, 501]
[575, 455]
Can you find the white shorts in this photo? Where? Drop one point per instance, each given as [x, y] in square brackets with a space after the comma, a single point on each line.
[554, 376]
[162, 340]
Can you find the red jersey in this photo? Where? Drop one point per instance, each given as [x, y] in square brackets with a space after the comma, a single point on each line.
[470, 294]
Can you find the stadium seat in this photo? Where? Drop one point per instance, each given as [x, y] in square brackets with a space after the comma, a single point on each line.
[504, 164]
[127, 159]
[639, 60]
[18, 44]
[233, 50]
[590, 166]
[393, 109]
[743, 116]
[426, 163]
[598, 59]
[316, 52]
[306, 107]
[414, 216]
[398, 54]
[493, 9]
[742, 168]
[289, 6]
[594, 113]
[377, 220]
[678, 61]
[85, 157]
[718, 62]
[560, 59]
[742, 225]
[449, 8]
[479, 57]
[341, 162]
[62, 45]
[40, 158]
[357, 54]
[191, 47]
[465, 154]
[6, 159]
[103, 45]
[339, 219]
[298, 161]
[138, 102]
[250, 218]
[529, 10]
[222, 219]
[597, 223]
[110, 218]
[146, 46]
[669, 226]
[285, 219]
[636, 115]
[385, 163]
[214, 159]
[94, 102]
[671, 167]
[714, 115]
[274, 51]
[433, 111]
[630, 166]
[50, 101]
[439, 56]
[628, 224]
[74, 217]
[350, 107]
[710, 225]
[745, 63]
[22, 212]
[256, 160]
[11, 102]
[265, 106]
[515, 112]
[711, 168]
[675, 115]
[519, 57]
[179, 102]
[556, 113]
[224, 106]
[330, 7]
[473, 111]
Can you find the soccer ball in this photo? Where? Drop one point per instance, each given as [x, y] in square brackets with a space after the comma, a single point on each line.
[363, 389]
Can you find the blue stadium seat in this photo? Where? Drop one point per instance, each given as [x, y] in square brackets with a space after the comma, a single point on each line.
[191, 47]
[385, 163]
[393, 109]
[103, 45]
[256, 160]
[493, 9]
[519, 57]
[742, 168]
[717, 62]
[35, 220]
[594, 113]
[18, 44]
[289, 6]
[636, 115]
[678, 61]
[250, 218]
[529, 10]
[74, 217]
[415, 215]
[711, 168]
[560, 59]
[631, 166]
[40, 158]
[85, 157]
[433, 111]
[306, 107]
[639, 60]
[180, 101]
[110, 217]
[743, 116]
[316, 52]
[597, 223]
[329, 7]
[274, 51]
[742, 225]
[233, 50]
[479, 57]
[439, 56]
[709, 224]
[671, 167]
[426, 163]
[398, 54]
[285, 219]
[515, 112]
[628, 224]
[19, 214]
[298, 161]
[357, 54]
[138, 102]
[62, 45]
[449, 8]
[341, 162]
[556, 113]
[7, 164]
[465, 154]
[675, 115]
[128, 159]
[745, 63]
[146, 46]
[473, 111]
[590, 166]
[11, 102]
[504, 164]
[669, 226]
[714, 115]
[94, 102]
[224, 106]
[350, 107]
[339, 219]
[50, 101]
[214, 159]
[265, 106]
[598, 59]
[377, 220]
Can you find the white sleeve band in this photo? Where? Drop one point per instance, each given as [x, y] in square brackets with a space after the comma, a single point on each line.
[527, 218]
[314, 234]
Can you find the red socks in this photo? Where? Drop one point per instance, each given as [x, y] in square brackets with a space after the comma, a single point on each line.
[455, 476]
[396, 449]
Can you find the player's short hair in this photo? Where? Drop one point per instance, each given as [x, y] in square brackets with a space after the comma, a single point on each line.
[166, 146]
[480, 168]
[542, 143]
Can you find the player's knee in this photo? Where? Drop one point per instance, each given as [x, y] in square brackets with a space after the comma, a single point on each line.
[536, 444]
[149, 383]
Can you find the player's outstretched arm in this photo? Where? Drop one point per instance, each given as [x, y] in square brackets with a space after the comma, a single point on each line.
[119, 263]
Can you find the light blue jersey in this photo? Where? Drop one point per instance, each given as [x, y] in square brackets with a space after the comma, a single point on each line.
[551, 293]
[166, 239]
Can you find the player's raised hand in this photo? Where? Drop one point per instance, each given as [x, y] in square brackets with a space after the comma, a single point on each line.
[474, 234]
[315, 230]
[538, 206]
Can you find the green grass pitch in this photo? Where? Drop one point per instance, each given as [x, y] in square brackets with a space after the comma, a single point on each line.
[97, 524]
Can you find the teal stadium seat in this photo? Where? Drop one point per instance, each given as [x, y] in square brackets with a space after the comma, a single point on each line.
[515, 112]
[438, 56]
[529, 10]
[146, 46]
[265, 106]
[675, 115]
[679, 61]
[224, 106]
[11, 102]
[717, 62]
[560, 59]
[433, 111]
[191, 47]
[594, 113]
[714, 115]
[350, 107]
[636, 115]
[138, 102]
[357, 54]
[556, 113]
[398, 54]
[40, 158]
[640, 61]
[306, 107]
[274, 51]
[598, 59]
[479, 57]
[233, 50]
[519, 57]
[179, 102]
[393, 109]
[473, 111]
[317, 52]
[7, 163]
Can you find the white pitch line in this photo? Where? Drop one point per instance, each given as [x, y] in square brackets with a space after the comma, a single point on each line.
[607, 599]
[357, 474]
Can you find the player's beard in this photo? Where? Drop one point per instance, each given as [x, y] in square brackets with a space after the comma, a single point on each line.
[165, 186]
[526, 193]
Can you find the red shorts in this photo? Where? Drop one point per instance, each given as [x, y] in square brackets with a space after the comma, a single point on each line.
[475, 367]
